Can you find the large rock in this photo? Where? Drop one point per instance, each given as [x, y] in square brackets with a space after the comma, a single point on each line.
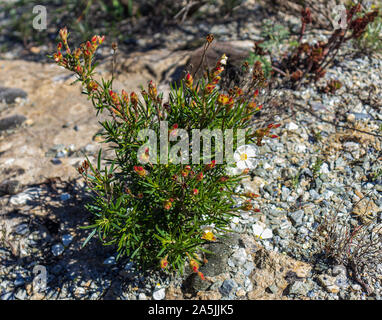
[217, 263]
[276, 271]
[236, 56]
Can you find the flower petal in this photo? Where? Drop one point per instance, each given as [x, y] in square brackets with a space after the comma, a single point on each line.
[251, 151]
[257, 230]
[241, 165]
[236, 156]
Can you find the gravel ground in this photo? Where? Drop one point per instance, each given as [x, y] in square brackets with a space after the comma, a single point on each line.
[319, 167]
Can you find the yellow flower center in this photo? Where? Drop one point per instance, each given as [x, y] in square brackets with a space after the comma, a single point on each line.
[243, 157]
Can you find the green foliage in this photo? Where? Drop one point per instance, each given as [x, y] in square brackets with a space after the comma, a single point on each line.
[265, 63]
[316, 167]
[156, 211]
[274, 36]
[371, 40]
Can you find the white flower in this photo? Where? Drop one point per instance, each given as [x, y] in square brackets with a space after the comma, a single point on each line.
[245, 157]
[261, 231]
[223, 60]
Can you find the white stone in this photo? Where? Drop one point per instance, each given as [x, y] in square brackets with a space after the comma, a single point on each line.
[291, 126]
[300, 148]
[142, 296]
[324, 168]
[159, 294]
[239, 257]
[23, 197]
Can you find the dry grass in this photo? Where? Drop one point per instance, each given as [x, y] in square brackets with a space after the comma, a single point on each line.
[358, 248]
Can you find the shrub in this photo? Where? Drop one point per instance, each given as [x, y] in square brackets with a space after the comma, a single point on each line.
[309, 61]
[151, 210]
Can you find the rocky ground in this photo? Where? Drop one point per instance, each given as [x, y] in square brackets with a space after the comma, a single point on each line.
[327, 163]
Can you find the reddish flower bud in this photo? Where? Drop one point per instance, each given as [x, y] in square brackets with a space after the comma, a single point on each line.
[64, 34]
[210, 87]
[125, 96]
[134, 99]
[140, 171]
[152, 90]
[211, 165]
[164, 263]
[189, 80]
[167, 205]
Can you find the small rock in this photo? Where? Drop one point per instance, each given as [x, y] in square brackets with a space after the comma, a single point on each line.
[356, 287]
[297, 217]
[56, 161]
[142, 296]
[22, 229]
[58, 249]
[110, 261]
[67, 239]
[300, 148]
[90, 148]
[19, 281]
[7, 296]
[299, 288]
[23, 197]
[329, 283]
[291, 126]
[239, 257]
[324, 168]
[227, 286]
[351, 146]
[129, 265]
[61, 154]
[240, 293]
[350, 117]
[65, 197]
[37, 296]
[339, 270]
[159, 294]
[10, 187]
[314, 194]
[21, 294]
